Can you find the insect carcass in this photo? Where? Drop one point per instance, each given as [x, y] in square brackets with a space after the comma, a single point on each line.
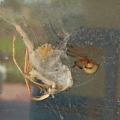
[47, 67]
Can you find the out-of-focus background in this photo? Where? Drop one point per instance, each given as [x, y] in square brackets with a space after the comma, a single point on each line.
[40, 17]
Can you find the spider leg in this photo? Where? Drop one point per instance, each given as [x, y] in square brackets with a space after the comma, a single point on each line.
[46, 95]
[26, 70]
[42, 97]
[42, 87]
[39, 98]
[39, 85]
[14, 59]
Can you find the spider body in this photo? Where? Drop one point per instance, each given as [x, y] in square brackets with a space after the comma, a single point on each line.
[88, 65]
[82, 61]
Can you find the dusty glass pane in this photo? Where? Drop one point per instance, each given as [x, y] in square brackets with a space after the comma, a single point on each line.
[91, 96]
